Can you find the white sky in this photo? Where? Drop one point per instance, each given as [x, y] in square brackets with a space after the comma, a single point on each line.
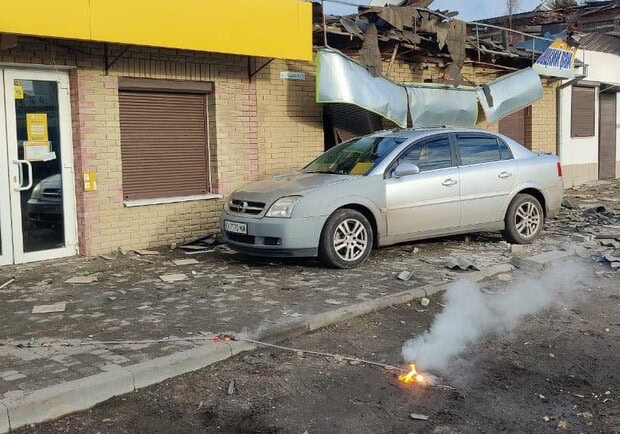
[468, 9]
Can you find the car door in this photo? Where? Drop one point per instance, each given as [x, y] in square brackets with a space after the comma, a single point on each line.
[429, 200]
[488, 173]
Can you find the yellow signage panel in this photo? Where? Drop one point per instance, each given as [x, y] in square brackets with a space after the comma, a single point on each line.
[61, 18]
[267, 28]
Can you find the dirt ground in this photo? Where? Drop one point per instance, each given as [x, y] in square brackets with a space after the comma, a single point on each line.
[561, 364]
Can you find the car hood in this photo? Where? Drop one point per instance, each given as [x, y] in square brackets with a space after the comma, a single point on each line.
[296, 183]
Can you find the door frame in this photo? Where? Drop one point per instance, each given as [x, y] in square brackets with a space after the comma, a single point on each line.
[61, 77]
[6, 231]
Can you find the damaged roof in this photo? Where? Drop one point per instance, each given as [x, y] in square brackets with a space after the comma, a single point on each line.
[603, 43]
[410, 31]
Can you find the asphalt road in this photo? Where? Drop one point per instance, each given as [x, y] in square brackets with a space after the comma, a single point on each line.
[558, 370]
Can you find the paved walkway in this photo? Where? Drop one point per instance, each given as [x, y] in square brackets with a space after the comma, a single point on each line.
[224, 293]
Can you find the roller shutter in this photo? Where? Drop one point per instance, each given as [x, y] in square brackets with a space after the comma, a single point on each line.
[163, 143]
[514, 126]
[582, 111]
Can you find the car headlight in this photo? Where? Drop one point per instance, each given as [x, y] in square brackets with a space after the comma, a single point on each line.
[283, 207]
[36, 192]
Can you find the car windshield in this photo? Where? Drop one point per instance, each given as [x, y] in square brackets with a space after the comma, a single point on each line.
[355, 157]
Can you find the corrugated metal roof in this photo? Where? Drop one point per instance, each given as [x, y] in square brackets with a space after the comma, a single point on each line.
[604, 43]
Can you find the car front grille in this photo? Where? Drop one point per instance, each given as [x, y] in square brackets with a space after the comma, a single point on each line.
[240, 238]
[246, 207]
[52, 193]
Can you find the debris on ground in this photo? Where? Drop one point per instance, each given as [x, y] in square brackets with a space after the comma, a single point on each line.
[404, 275]
[171, 278]
[563, 425]
[610, 243]
[462, 264]
[81, 280]
[425, 301]
[585, 415]
[205, 242]
[417, 416]
[147, 252]
[7, 283]
[334, 302]
[614, 261]
[50, 308]
[109, 257]
[190, 261]
[231, 387]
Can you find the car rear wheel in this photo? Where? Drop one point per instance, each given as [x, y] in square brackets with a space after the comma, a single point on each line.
[524, 219]
[346, 240]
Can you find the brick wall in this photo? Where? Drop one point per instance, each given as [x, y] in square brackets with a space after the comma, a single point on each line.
[544, 119]
[290, 131]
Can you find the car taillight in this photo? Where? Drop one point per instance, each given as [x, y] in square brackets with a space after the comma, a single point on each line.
[559, 170]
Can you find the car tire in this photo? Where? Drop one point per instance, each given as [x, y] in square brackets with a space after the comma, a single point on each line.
[346, 240]
[524, 219]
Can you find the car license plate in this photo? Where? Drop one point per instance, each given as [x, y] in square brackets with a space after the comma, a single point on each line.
[236, 228]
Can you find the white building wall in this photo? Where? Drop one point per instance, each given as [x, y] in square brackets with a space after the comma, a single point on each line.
[579, 155]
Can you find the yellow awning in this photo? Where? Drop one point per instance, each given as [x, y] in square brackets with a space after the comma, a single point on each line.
[267, 28]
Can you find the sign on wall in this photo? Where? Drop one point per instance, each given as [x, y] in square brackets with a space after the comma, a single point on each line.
[557, 60]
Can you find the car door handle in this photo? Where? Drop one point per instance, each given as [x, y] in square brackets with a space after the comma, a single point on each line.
[449, 182]
[504, 175]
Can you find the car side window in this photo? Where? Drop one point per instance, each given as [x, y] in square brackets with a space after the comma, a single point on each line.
[478, 149]
[505, 151]
[432, 155]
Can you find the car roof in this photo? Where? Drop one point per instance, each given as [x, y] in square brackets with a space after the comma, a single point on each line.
[414, 133]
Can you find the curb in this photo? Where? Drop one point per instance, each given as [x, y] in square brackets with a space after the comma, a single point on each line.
[65, 398]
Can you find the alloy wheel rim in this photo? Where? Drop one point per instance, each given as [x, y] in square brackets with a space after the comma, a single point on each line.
[350, 240]
[527, 219]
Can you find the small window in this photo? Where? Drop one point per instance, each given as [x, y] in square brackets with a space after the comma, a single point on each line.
[432, 155]
[582, 111]
[505, 151]
[477, 150]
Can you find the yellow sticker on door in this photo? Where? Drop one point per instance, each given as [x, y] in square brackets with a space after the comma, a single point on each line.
[18, 89]
[36, 124]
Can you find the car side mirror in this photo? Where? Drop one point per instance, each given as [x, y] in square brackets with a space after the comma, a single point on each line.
[406, 169]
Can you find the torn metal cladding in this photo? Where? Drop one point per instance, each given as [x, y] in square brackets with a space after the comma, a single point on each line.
[440, 106]
[341, 80]
[510, 93]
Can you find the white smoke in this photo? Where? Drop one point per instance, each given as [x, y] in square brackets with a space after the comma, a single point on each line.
[470, 314]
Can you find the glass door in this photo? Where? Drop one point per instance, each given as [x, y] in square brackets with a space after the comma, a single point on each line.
[40, 164]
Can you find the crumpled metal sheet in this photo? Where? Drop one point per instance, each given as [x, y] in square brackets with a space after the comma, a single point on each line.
[341, 80]
[398, 17]
[370, 55]
[510, 93]
[351, 26]
[433, 106]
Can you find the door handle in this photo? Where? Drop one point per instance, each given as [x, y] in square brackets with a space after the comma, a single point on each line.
[504, 175]
[449, 182]
[23, 187]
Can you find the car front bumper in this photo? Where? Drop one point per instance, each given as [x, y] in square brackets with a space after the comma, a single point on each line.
[283, 237]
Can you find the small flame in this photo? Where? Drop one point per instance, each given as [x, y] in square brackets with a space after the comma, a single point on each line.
[412, 376]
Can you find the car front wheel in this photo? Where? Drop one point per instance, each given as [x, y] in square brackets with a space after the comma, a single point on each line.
[346, 240]
[524, 219]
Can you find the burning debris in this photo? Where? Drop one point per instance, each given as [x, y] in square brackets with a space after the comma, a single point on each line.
[412, 376]
[470, 315]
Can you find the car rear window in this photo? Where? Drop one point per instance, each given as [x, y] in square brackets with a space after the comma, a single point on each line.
[478, 149]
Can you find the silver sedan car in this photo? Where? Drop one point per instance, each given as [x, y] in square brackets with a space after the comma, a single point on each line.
[392, 187]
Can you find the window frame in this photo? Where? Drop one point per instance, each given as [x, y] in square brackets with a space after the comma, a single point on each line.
[390, 168]
[498, 139]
